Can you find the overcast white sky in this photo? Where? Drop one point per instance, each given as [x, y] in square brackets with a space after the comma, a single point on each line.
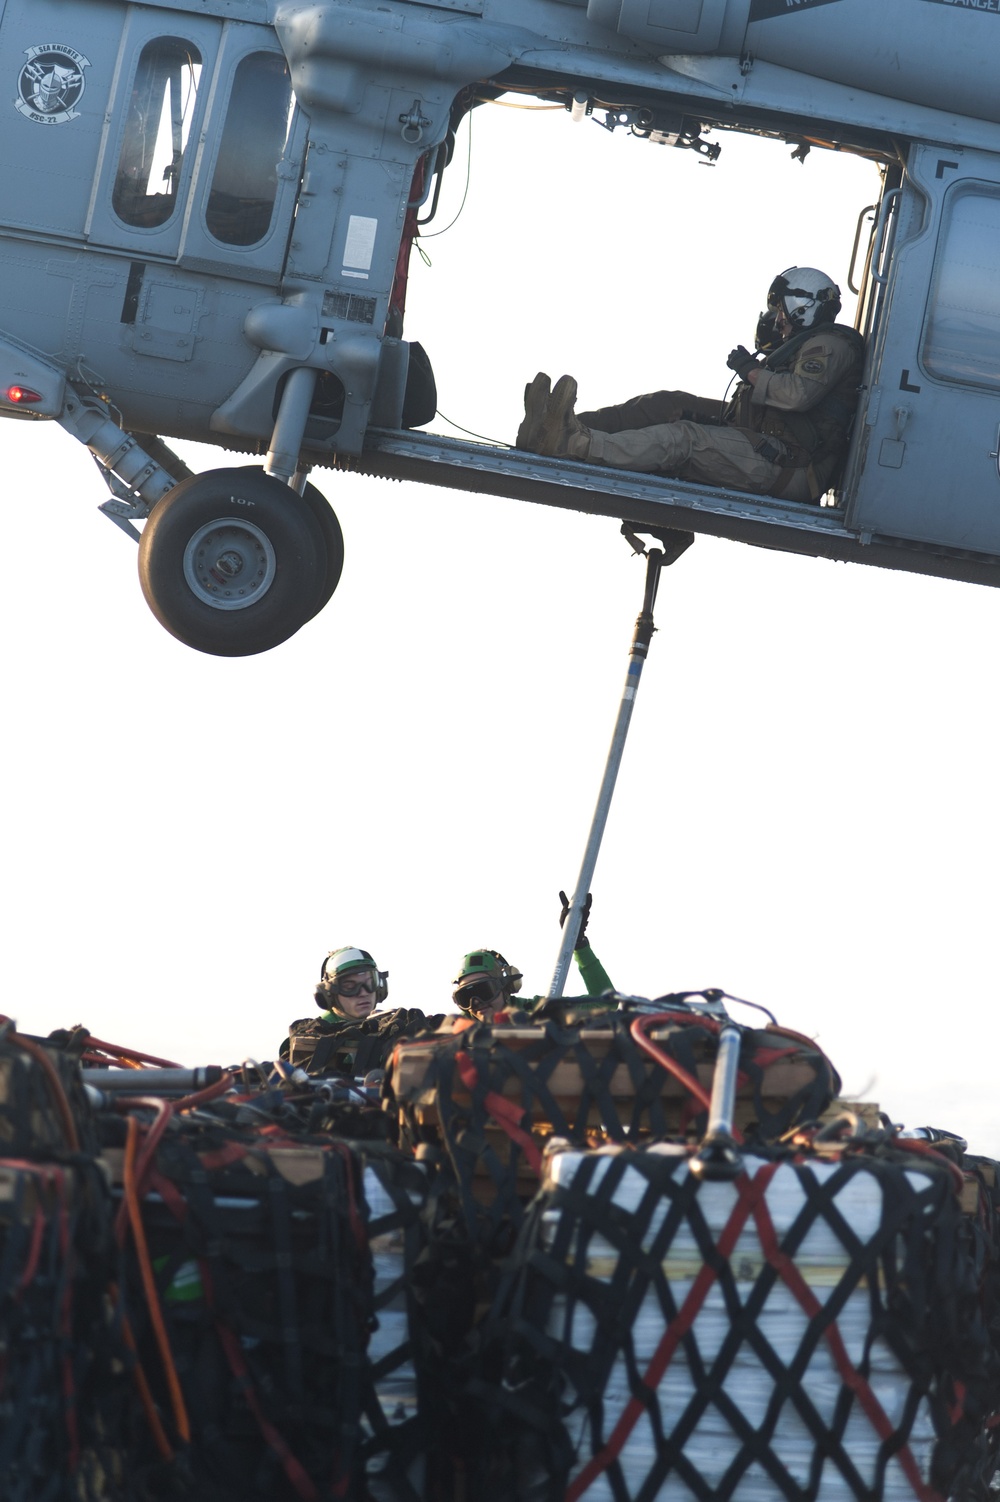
[806, 814]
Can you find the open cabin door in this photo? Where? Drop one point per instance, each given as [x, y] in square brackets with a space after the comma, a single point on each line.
[929, 471]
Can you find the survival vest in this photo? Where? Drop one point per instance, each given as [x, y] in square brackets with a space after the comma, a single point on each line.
[819, 437]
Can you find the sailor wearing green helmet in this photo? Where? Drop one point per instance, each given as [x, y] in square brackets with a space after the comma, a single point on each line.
[486, 981]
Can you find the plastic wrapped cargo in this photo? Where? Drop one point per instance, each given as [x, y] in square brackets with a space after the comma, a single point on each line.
[812, 1330]
[394, 1432]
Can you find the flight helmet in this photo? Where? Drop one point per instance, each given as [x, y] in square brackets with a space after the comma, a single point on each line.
[336, 975]
[484, 977]
[809, 297]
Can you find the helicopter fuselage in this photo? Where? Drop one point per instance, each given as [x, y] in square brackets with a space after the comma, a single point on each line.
[206, 210]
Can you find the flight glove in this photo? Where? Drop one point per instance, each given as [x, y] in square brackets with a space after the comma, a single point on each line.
[582, 942]
[741, 360]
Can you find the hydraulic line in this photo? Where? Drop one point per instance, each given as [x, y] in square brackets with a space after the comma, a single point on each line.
[129, 1054]
[683, 1077]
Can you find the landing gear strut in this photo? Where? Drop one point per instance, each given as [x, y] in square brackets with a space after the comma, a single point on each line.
[231, 562]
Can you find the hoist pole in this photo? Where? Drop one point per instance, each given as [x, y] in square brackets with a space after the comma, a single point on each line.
[655, 560]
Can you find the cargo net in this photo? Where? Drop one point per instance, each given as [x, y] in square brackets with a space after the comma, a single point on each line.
[264, 1279]
[63, 1400]
[63, 1396]
[811, 1330]
[394, 1414]
[43, 1107]
[490, 1098]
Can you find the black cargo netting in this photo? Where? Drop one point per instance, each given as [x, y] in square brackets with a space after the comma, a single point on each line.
[63, 1393]
[651, 1330]
[265, 1283]
[470, 1077]
[395, 1432]
[32, 1125]
[343, 1319]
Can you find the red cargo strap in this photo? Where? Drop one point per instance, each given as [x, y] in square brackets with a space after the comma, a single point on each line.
[850, 1377]
[925, 1150]
[222, 1157]
[505, 1113]
[750, 1192]
[293, 1468]
[54, 1178]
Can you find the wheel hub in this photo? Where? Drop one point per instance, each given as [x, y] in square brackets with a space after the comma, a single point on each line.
[229, 564]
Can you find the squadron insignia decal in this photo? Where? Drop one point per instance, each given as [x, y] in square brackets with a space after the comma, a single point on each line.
[51, 84]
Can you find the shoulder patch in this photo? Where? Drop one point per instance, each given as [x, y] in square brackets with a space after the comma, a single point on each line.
[813, 367]
[814, 349]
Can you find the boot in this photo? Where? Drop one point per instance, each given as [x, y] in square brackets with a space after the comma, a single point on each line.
[536, 395]
[561, 432]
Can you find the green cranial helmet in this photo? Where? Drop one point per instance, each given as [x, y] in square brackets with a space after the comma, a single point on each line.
[339, 965]
[484, 977]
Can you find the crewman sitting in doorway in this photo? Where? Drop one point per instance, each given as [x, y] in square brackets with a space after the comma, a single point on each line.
[785, 431]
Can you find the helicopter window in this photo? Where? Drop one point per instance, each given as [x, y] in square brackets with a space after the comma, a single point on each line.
[156, 132]
[245, 181]
[962, 339]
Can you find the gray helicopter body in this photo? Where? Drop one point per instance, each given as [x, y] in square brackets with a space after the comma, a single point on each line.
[205, 212]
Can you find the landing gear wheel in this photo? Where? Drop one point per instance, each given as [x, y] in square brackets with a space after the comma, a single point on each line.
[232, 562]
[332, 536]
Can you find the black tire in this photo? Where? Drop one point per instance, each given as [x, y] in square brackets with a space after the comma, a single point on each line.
[420, 398]
[332, 536]
[232, 562]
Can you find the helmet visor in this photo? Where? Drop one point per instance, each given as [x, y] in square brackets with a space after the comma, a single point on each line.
[776, 294]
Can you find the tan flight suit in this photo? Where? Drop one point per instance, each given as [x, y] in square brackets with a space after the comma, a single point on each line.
[798, 412]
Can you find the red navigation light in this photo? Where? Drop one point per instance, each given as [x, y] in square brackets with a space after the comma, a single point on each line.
[17, 394]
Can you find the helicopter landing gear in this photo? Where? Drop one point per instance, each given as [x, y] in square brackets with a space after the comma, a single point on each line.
[233, 562]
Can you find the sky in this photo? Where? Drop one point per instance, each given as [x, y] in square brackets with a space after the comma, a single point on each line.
[805, 814]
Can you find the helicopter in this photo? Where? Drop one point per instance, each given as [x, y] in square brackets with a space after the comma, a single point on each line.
[208, 206]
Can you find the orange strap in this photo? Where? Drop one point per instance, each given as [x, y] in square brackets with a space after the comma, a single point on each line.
[149, 1284]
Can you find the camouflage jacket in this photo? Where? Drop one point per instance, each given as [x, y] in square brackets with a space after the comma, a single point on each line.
[349, 1045]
